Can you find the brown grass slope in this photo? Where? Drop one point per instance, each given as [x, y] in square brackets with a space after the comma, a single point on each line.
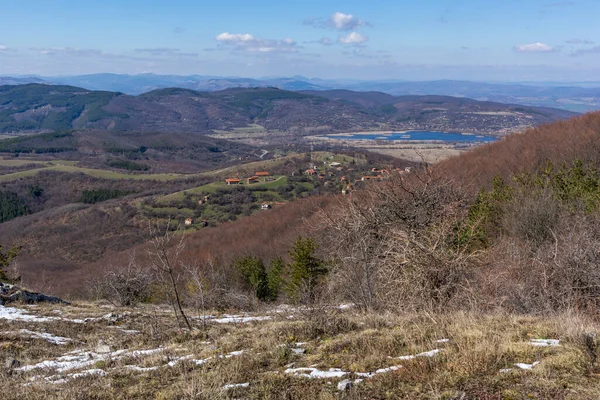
[559, 142]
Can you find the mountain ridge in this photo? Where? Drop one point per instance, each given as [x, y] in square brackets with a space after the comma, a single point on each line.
[575, 96]
[38, 108]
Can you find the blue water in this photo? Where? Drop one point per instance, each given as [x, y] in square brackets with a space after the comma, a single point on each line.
[422, 135]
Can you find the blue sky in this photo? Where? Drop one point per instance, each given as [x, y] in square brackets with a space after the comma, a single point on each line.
[507, 40]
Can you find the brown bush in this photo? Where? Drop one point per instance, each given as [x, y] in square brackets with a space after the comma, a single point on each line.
[560, 273]
[394, 245]
[125, 286]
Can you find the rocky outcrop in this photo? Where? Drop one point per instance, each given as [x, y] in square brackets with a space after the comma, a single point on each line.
[12, 293]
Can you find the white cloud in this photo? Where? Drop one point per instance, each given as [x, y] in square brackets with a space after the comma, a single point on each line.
[353, 38]
[534, 48]
[249, 43]
[345, 22]
[234, 37]
[3, 48]
[338, 21]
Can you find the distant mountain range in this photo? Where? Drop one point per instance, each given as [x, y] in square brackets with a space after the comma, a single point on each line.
[38, 108]
[575, 97]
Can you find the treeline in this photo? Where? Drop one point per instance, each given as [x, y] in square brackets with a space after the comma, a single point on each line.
[128, 165]
[56, 142]
[98, 195]
[11, 206]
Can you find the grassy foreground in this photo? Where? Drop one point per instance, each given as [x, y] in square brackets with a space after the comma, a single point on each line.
[141, 353]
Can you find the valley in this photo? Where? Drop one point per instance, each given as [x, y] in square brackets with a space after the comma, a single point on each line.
[258, 242]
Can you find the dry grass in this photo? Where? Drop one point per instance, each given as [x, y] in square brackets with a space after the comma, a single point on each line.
[467, 367]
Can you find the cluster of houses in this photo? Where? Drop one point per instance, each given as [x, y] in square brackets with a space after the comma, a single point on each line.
[252, 179]
[263, 176]
[378, 175]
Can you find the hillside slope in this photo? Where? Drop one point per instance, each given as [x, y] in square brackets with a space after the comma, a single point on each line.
[38, 108]
[557, 143]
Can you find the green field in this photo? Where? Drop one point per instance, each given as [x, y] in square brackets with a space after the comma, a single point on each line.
[214, 186]
[97, 173]
[20, 162]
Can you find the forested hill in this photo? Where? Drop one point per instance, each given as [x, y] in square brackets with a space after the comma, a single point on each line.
[35, 108]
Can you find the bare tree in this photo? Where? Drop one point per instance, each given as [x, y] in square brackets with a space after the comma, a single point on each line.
[201, 290]
[165, 258]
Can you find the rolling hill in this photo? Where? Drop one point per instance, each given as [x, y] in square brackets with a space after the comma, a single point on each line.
[576, 96]
[35, 108]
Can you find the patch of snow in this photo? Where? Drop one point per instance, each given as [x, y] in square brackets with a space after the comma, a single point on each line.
[77, 375]
[59, 340]
[15, 314]
[298, 351]
[442, 340]
[388, 369]
[526, 366]
[232, 319]
[545, 342]
[81, 359]
[429, 353]
[300, 344]
[141, 369]
[505, 370]
[59, 379]
[175, 361]
[239, 319]
[236, 385]
[424, 354]
[316, 373]
[132, 331]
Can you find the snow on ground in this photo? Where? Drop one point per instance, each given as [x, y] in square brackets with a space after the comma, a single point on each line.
[16, 314]
[316, 373]
[385, 370]
[526, 366]
[236, 385]
[59, 340]
[80, 359]
[544, 342]
[520, 366]
[232, 319]
[312, 372]
[58, 379]
[424, 354]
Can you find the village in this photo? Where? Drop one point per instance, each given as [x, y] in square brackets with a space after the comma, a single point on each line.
[262, 190]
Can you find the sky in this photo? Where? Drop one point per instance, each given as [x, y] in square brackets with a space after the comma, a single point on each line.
[486, 40]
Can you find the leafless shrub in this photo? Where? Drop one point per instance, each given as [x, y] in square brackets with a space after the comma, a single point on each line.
[126, 286]
[559, 274]
[532, 216]
[395, 246]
